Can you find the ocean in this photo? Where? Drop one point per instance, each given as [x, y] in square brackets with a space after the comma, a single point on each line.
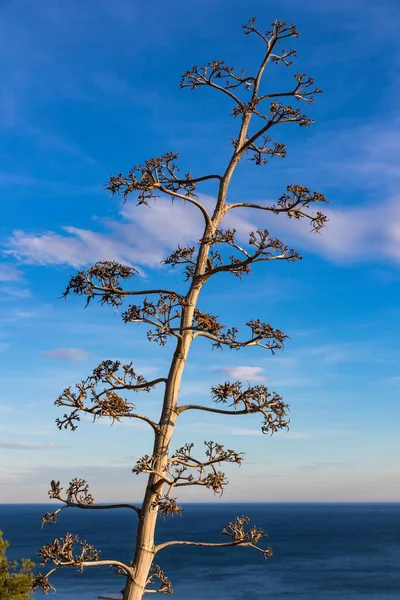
[321, 551]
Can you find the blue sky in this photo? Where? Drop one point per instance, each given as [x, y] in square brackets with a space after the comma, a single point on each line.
[90, 88]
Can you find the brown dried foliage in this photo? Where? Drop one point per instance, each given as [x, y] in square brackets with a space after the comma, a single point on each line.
[254, 399]
[250, 537]
[105, 402]
[183, 469]
[155, 175]
[159, 314]
[68, 551]
[166, 506]
[297, 198]
[102, 280]
[41, 582]
[165, 586]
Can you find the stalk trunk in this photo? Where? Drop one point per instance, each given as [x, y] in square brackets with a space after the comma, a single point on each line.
[144, 552]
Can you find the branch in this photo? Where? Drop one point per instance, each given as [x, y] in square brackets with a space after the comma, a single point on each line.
[159, 314]
[202, 544]
[62, 553]
[260, 332]
[183, 256]
[159, 174]
[104, 280]
[77, 496]
[108, 402]
[183, 469]
[218, 411]
[236, 531]
[165, 585]
[182, 465]
[266, 248]
[42, 581]
[200, 206]
[254, 399]
[293, 204]
[196, 77]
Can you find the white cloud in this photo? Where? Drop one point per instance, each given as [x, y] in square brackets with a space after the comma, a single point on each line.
[341, 352]
[14, 292]
[24, 445]
[284, 434]
[368, 232]
[146, 237]
[78, 249]
[244, 373]
[72, 354]
[8, 273]
[363, 232]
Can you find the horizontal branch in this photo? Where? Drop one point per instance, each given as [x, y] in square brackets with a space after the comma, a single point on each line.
[131, 292]
[51, 516]
[77, 496]
[238, 533]
[88, 563]
[97, 413]
[219, 411]
[294, 204]
[100, 563]
[201, 544]
[252, 342]
[199, 179]
[242, 264]
[101, 506]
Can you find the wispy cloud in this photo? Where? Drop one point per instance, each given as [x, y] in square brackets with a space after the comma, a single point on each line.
[53, 143]
[144, 239]
[340, 352]
[14, 292]
[24, 445]
[46, 186]
[365, 232]
[71, 354]
[322, 466]
[80, 248]
[9, 273]
[362, 232]
[244, 373]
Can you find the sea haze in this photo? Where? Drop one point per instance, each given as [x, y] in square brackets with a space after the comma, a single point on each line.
[321, 551]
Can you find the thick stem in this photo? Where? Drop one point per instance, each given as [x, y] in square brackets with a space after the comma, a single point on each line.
[145, 545]
[145, 548]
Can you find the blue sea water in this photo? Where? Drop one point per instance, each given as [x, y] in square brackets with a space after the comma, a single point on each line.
[321, 551]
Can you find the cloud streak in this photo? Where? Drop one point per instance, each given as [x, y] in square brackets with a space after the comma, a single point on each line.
[71, 354]
[363, 232]
[9, 273]
[244, 373]
[144, 238]
[24, 445]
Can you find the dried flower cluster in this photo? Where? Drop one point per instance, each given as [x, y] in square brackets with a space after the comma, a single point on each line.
[183, 469]
[106, 402]
[254, 399]
[251, 537]
[102, 279]
[165, 586]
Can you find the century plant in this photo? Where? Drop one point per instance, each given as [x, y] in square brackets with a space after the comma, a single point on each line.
[173, 315]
